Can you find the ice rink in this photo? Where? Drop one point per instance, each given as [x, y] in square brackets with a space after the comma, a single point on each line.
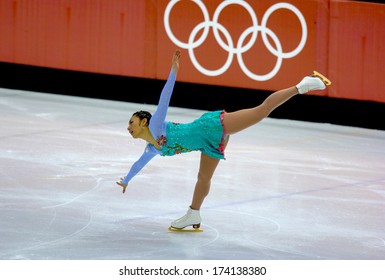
[288, 190]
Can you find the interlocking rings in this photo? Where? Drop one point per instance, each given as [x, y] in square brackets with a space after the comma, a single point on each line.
[229, 45]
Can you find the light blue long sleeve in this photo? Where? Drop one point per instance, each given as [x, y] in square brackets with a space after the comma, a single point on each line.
[159, 116]
[157, 128]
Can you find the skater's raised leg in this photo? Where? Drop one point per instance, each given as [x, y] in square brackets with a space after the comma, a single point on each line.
[242, 119]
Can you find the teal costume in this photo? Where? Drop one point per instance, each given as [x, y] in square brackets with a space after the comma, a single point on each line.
[205, 134]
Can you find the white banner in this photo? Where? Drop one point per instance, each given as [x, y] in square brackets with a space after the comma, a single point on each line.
[191, 269]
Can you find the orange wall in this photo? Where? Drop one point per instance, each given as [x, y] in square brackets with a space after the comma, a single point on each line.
[345, 40]
[96, 36]
[357, 50]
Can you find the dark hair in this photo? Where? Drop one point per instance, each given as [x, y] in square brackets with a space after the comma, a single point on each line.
[143, 115]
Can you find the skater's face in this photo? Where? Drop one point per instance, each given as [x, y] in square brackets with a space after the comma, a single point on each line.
[136, 126]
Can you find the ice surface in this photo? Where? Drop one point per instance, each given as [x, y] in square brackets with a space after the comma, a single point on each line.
[288, 190]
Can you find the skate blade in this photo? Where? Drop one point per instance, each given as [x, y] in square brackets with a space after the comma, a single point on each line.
[326, 81]
[170, 228]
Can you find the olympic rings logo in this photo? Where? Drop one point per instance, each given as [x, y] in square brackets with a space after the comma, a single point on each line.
[229, 46]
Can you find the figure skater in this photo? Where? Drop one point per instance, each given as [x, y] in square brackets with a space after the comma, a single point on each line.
[208, 134]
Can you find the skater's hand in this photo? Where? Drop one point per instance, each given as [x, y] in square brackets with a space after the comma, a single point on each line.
[124, 186]
[175, 61]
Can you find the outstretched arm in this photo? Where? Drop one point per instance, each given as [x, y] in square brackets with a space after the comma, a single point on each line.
[135, 168]
[161, 111]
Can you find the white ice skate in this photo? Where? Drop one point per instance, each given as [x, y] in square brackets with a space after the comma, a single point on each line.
[191, 218]
[316, 81]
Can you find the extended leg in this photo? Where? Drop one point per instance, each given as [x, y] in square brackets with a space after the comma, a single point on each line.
[239, 120]
[242, 119]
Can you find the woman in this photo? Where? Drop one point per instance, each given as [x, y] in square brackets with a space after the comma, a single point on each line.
[208, 134]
